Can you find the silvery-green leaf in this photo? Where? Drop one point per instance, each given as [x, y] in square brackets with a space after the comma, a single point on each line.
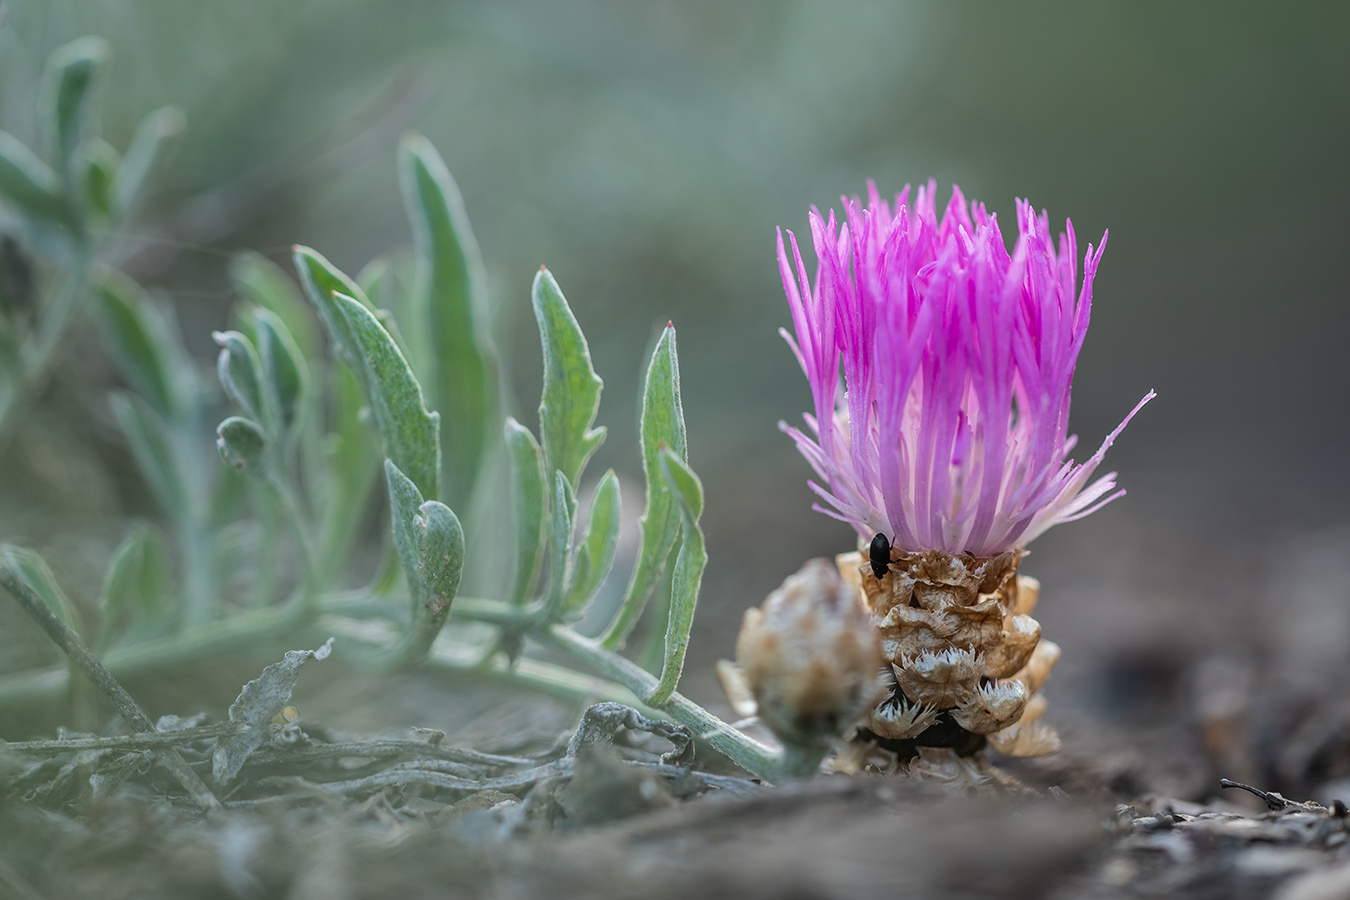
[135, 586]
[571, 395]
[687, 492]
[29, 184]
[321, 280]
[283, 366]
[138, 339]
[602, 537]
[266, 284]
[152, 446]
[430, 543]
[256, 706]
[528, 507]
[242, 444]
[411, 434]
[74, 71]
[353, 466]
[662, 425]
[241, 375]
[449, 302]
[564, 510]
[35, 572]
[96, 168]
[148, 146]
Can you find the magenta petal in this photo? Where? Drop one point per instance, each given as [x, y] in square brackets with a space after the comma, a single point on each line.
[957, 358]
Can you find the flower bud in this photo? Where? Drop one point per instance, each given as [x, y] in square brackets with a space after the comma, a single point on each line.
[810, 656]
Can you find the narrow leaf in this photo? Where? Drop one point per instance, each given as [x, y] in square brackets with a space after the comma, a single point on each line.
[560, 542]
[29, 184]
[148, 147]
[283, 367]
[35, 572]
[97, 167]
[75, 69]
[241, 375]
[411, 434]
[688, 574]
[449, 302]
[528, 506]
[661, 425]
[135, 586]
[352, 468]
[430, 543]
[602, 537]
[321, 280]
[138, 339]
[152, 446]
[266, 284]
[571, 395]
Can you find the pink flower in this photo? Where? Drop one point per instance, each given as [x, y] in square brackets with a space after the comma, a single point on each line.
[952, 431]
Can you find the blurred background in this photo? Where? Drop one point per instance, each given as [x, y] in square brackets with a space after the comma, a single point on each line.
[646, 153]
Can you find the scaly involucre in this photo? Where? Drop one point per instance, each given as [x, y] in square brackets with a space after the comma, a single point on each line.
[958, 357]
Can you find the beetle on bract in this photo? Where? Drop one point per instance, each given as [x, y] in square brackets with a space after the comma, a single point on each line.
[879, 554]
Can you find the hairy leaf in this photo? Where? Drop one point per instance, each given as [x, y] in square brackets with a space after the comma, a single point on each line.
[139, 341]
[602, 537]
[411, 434]
[75, 69]
[571, 395]
[448, 300]
[242, 444]
[135, 586]
[430, 543]
[30, 184]
[687, 492]
[152, 446]
[661, 425]
[241, 374]
[529, 506]
[148, 147]
[283, 366]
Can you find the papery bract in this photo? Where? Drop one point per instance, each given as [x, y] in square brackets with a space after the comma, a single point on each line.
[958, 357]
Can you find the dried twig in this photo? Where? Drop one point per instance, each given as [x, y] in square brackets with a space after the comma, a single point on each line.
[124, 742]
[94, 670]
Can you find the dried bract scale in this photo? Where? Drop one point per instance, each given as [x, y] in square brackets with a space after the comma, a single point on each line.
[810, 656]
[948, 448]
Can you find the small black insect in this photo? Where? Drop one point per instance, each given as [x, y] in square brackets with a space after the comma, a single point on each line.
[880, 555]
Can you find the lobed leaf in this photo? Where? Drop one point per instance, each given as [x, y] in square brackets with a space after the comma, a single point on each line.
[448, 300]
[571, 396]
[528, 506]
[411, 434]
[690, 561]
[661, 425]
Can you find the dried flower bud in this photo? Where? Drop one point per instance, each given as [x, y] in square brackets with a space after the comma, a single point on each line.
[810, 656]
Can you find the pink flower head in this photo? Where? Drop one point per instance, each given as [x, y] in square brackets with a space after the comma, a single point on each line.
[952, 430]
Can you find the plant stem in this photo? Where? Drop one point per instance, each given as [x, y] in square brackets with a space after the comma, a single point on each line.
[125, 705]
